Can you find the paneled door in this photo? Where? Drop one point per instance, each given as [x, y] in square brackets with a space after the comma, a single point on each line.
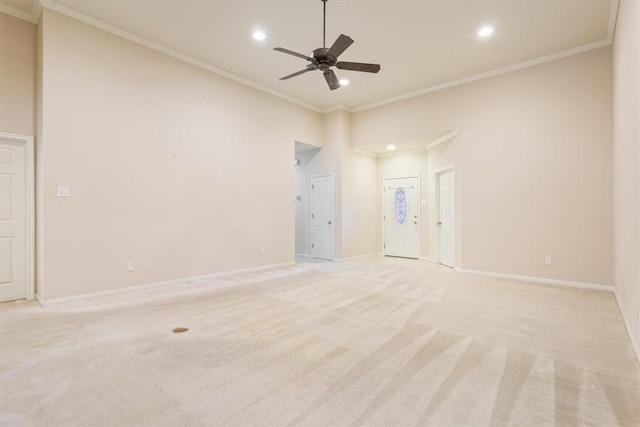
[13, 221]
[401, 217]
[447, 217]
[322, 217]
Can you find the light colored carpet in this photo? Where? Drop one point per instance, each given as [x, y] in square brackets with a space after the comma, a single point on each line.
[380, 341]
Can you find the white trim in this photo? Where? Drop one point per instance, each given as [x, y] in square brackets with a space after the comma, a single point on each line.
[503, 70]
[613, 17]
[447, 137]
[29, 182]
[303, 256]
[544, 280]
[38, 298]
[634, 343]
[57, 7]
[339, 107]
[32, 17]
[443, 139]
[401, 152]
[426, 258]
[53, 5]
[128, 289]
[357, 257]
[444, 169]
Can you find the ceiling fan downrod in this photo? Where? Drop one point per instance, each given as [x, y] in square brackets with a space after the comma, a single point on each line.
[324, 58]
[324, 23]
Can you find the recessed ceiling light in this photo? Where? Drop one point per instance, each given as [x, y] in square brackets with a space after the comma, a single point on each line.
[344, 82]
[391, 147]
[485, 31]
[259, 35]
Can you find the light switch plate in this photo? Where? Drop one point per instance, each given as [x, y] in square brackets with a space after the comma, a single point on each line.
[64, 191]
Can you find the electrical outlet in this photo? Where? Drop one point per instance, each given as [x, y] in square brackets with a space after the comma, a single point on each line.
[131, 266]
[547, 260]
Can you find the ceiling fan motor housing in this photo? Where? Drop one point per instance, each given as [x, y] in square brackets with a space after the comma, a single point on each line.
[324, 60]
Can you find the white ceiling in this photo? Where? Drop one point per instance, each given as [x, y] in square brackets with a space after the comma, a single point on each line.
[421, 45]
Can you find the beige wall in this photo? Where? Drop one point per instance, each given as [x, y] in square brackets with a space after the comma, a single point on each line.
[360, 201]
[17, 75]
[172, 167]
[626, 179]
[355, 202]
[533, 164]
[163, 156]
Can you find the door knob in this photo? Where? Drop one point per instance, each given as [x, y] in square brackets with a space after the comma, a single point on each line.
[329, 222]
[439, 223]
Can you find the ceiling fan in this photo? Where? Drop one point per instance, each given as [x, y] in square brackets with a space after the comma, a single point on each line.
[323, 59]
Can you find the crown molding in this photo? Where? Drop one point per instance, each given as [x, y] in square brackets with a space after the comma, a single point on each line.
[32, 17]
[613, 19]
[72, 13]
[613, 16]
[339, 107]
[443, 139]
[53, 5]
[428, 146]
[496, 72]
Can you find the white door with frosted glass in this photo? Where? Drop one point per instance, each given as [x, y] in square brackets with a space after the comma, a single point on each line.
[322, 217]
[447, 217]
[401, 217]
[13, 221]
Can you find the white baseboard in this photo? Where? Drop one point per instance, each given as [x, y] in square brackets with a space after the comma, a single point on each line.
[38, 298]
[544, 280]
[353, 258]
[426, 258]
[181, 281]
[303, 256]
[634, 343]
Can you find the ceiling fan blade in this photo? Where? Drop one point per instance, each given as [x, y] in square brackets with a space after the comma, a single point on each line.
[290, 52]
[340, 45]
[358, 66]
[331, 79]
[297, 73]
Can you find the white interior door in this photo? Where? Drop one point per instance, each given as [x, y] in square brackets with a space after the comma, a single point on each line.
[447, 217]
[322, 217]
[401, 217]
[13, 221]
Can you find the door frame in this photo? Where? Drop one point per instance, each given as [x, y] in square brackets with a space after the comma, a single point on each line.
[29, 167]
[333, 215]
[419, 179]
[436, 179]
